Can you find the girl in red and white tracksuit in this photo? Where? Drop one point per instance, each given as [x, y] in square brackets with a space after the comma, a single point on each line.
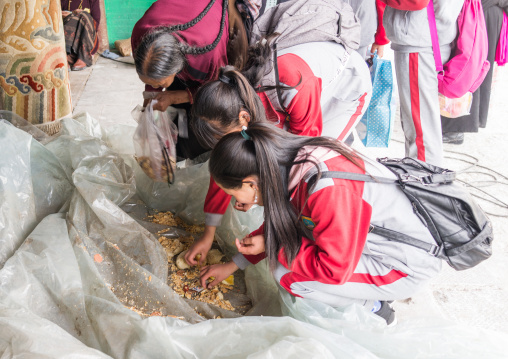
[325, 92]
[333, 259]
[407, 27]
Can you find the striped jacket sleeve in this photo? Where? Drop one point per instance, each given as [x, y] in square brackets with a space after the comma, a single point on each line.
[216, 204]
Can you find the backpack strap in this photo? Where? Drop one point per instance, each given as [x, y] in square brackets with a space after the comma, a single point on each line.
[277, 82]
[432, 249]
[435, 39]
[355, 177]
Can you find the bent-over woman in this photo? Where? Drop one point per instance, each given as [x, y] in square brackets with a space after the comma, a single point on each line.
[315, 234]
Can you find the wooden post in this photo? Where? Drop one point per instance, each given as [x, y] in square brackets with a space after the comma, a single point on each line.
[103, 30]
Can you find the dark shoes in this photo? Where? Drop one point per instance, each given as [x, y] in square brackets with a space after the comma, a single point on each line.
[387, 313]
[454, 138]
[78, 65]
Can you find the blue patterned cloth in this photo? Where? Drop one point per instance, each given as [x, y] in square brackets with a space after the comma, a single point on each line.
[375, 127]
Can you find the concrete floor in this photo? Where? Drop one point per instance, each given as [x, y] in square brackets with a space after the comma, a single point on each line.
[478, 296]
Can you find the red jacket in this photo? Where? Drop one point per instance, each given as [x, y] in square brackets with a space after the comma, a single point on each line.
[339, 235]
[409, 5]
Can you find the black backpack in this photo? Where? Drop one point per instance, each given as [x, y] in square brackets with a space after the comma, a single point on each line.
[461, 229]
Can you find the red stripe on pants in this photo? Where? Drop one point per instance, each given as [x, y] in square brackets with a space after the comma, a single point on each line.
[378, 280]
[353, 118]
[414, 91]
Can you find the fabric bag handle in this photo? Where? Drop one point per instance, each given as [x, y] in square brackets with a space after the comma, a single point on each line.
[435, 40]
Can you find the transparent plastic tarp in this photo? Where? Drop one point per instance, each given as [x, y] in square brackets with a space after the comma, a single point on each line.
[82, 270]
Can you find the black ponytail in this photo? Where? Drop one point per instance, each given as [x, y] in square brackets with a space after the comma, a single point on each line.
[270, 155]
[259, 63]
[186, 49]
[217, 105]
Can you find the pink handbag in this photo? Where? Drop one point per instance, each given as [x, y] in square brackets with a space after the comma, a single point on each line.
[468, 65]
[502, 44]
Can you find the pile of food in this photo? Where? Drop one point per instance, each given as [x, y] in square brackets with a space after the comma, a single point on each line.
[170, 220]
[185, 280]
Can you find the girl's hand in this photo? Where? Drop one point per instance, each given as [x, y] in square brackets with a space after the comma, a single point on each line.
[65, 13]
[218, 271]
[251, 245]
[200, 246]
[242, 207]
[77, 11]
[379, 48]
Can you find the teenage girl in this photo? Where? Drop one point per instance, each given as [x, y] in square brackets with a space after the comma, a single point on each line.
[315, 234]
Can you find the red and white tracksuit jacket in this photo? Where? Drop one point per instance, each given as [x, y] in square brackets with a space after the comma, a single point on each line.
[333, 93]
[339, 261]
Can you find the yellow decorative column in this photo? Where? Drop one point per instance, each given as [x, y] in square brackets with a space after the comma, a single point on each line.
[34, 81]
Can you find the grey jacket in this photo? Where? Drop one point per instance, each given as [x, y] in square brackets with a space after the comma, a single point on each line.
[409, 30]
[365, 11]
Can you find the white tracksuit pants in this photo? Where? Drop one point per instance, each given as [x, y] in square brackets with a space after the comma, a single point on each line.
[419, 103]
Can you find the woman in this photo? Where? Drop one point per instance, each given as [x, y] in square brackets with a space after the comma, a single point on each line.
[178, 46]
[81, 20]
[324, 93]
[316, 231]
[184, 41]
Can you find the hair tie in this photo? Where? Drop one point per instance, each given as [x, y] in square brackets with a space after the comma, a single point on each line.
[244, 134]
[224, 79]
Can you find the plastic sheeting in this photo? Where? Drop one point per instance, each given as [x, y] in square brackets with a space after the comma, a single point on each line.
[69, 278]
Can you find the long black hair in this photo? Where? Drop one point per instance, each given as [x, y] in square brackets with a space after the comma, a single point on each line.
[159, 53]
[217, 105]
[270, 154]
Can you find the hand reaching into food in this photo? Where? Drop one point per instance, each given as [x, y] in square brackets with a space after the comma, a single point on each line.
[214, 274]
[201, 247]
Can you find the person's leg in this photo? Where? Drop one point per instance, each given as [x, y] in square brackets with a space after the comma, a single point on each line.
[419, 105]
[344, 105]
[494, 21]
[371, 281]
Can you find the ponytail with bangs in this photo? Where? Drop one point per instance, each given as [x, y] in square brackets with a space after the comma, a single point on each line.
[270, 154]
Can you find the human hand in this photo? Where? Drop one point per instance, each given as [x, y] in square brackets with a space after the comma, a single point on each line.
[65, 13]
[251, 245]
[218, 271]
[242, 206]
[77, 11]
[379, 48]
[200, 246]
[164, 100]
